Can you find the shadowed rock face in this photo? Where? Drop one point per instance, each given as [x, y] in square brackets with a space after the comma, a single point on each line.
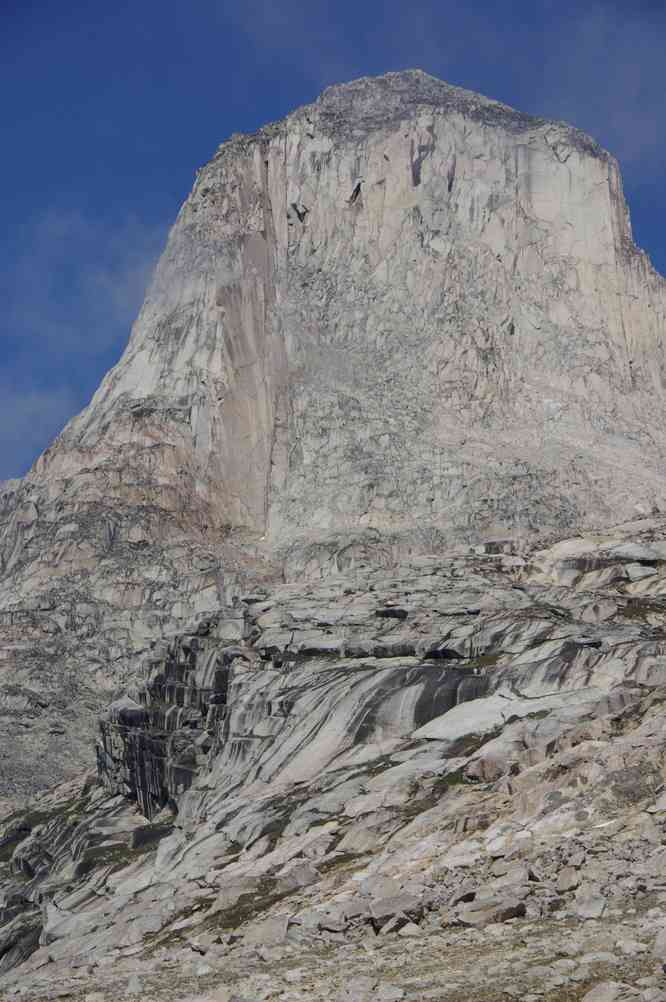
[403, 315]
[151, 748]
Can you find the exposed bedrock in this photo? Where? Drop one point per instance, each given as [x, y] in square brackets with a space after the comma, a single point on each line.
[402, 316]
[320, 762]
[319, 550]
[151, 746]
[451, 649]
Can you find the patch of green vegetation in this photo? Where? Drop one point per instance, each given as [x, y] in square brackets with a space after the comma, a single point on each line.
[32, 818]
[379, 765]
[342, 862]
[228, 920]
[18, 826]
[638, 609]
[455, 778]
[174, 937]
[537, 715]
[147, 836]
[117, 857]
[483, 661]
[469, 744]
[441, 786]
[10, 819]
[248, 906]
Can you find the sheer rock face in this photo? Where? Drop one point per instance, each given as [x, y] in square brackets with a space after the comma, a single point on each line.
[404, 306]
[403, 314]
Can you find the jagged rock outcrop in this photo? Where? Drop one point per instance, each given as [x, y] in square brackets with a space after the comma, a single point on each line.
[403, 315]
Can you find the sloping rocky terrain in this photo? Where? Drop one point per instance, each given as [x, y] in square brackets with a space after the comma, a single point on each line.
[355, 572]
[392, 783]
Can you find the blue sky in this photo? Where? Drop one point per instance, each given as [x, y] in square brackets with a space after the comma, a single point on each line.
[108, 109]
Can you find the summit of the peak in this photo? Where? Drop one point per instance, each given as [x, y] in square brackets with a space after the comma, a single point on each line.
[379, 101]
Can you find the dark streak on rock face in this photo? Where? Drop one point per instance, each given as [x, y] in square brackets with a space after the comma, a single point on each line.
[152, 752]
[151, 749]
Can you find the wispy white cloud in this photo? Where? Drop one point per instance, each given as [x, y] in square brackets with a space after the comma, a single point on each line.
[77, 281]
[29, 420]
[318, 40]
[72, 285]
[598, 65]
[605, 72]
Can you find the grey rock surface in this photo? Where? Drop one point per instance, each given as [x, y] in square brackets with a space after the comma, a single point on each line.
[325, 805]
[359, 552]
[402, 316]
